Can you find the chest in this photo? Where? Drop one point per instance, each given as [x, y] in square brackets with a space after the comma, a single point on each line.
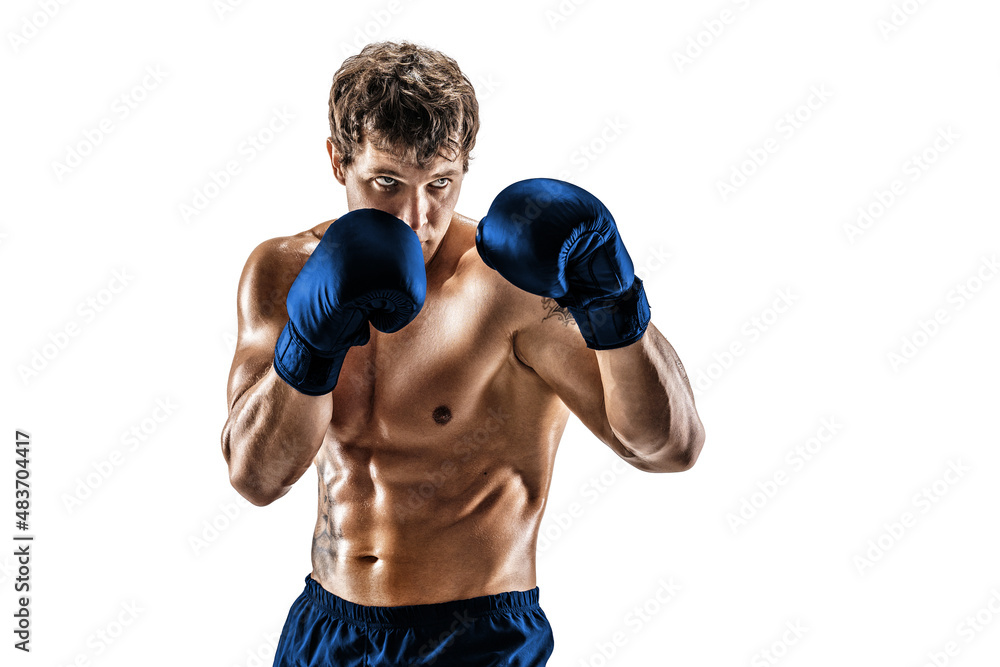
[428, 378]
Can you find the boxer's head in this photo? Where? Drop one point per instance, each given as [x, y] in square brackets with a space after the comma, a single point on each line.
[403, 121]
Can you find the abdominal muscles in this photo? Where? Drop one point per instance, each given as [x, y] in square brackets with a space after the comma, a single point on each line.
[429, 522]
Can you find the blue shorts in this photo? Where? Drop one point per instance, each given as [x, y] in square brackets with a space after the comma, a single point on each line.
[502, 630]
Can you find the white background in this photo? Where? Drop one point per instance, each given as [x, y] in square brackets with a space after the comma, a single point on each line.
[596, 93]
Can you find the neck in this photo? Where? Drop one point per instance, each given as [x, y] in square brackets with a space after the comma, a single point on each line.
[439, 257]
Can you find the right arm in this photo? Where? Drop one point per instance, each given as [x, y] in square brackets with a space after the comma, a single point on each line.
[367, 268]
[273, 431]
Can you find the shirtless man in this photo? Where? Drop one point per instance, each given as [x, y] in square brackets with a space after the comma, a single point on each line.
[427, 365]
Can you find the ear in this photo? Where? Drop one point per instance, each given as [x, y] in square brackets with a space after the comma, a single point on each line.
[338, 167]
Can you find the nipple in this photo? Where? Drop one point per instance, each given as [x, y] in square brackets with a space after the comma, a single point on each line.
[442, 415]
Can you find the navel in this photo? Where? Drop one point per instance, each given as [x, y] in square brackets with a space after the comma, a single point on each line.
[441, 415]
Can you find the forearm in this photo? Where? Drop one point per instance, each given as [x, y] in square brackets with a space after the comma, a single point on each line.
[649, 403]
[272, 436]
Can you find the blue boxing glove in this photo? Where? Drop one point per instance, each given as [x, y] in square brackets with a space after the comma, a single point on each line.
[557, 240]
[368, 267]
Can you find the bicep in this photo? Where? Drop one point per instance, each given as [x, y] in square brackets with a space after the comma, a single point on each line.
[261, 314]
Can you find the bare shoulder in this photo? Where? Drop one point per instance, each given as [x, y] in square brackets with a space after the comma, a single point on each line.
[270, 271]
[468, 261]
[284, 248]
[519, 308]
[274, 259]
[268, 274]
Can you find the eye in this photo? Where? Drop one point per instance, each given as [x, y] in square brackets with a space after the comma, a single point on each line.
[440, 183]
[379, 179]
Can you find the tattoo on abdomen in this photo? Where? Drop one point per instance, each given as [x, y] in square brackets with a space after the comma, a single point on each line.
[323, 545]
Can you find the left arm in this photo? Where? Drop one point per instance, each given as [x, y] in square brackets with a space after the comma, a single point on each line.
[613, 369]
[636, 399]
[649, 402]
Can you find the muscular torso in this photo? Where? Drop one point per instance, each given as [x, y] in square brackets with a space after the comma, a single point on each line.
[435, 468]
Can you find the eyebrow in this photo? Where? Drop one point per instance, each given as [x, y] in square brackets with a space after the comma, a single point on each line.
[389, 172]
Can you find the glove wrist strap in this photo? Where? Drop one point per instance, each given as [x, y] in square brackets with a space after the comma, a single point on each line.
[304, 368]
[607, 324]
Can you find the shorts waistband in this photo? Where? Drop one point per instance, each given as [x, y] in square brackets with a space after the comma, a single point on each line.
[421, 614]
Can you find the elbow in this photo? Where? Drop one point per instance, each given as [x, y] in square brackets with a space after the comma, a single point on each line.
[686, 454]
[688, 448]
[677, 453]
[672, 442]
[251, 488]
[243, 479]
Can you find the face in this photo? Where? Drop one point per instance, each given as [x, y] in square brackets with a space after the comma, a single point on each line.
[423, 198]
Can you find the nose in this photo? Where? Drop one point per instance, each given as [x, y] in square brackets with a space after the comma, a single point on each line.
[414, 210]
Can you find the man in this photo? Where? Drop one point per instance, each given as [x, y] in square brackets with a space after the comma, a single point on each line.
[427, 366]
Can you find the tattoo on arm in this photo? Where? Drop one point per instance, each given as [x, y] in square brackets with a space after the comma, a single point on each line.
[680, 368]
[553, 309]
